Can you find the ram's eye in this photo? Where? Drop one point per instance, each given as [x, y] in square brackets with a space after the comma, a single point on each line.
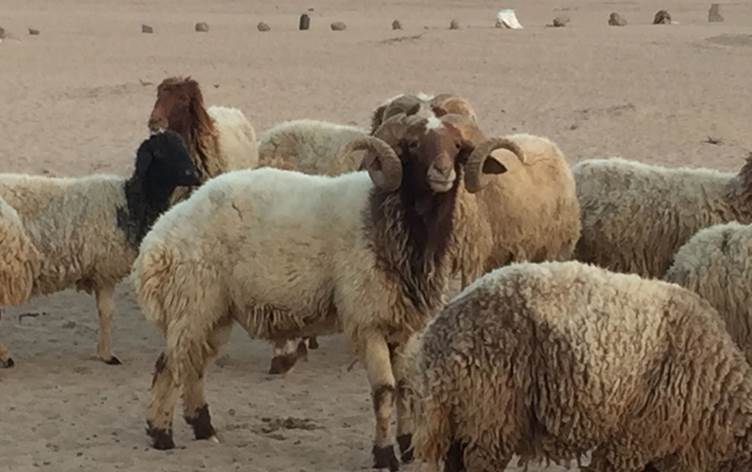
[412, 144]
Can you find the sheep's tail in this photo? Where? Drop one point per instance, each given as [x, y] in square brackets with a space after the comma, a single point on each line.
[152, 276]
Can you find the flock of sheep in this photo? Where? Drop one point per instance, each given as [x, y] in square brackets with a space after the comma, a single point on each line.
[604, 307]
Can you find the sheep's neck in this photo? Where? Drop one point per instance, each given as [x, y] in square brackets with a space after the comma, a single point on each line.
[143, 207]
[411, 235]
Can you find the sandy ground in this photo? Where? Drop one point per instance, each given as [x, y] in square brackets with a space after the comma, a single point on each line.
[75, 100]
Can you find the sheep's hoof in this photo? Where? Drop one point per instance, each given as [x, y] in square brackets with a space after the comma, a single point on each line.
[313, 343]
[7, 363]
[405, 442]
[384, 458]
[214, 439]
[302, 351]
[161, 438]
[283, 364]
[201, 424]
[113, 361]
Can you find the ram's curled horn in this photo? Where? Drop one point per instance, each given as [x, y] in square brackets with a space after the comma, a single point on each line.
[446, 103]
[468, 129]
[476, 176]
[407, 104]
[383, 165]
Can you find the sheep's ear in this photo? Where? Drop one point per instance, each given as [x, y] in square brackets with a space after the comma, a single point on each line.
[493, 166]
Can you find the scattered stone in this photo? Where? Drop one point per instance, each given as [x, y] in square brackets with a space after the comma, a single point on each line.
[396, 25]
[663, 17]
[714, 14]
[560, 21]
[615, 19]
[147, 29]
[33, 32]
[263, 27]
[202, 27]
[338, 26]
[69, 325]
[714, 140]
[305, 22]
[311, 9]
[454, 24]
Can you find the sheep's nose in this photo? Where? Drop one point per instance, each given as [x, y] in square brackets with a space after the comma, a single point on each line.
[444, 168]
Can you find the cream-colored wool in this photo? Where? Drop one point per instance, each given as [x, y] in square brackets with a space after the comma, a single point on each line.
[80, 243]
[19, 262]
[635, 216]
[552, 360]
[529, 213]
[716, 263]
[310, 146]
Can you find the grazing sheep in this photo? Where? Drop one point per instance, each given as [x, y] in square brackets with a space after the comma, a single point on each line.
[219, 139]
[287, 255]
[310, 146]
[19, 263]
[424, 106]
[635, 216]
[716, 263]
[552, 360]
[87, 229]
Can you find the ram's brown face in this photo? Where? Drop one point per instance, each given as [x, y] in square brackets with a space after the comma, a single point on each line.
[435, 151]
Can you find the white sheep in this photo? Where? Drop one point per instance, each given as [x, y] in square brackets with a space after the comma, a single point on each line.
[286, 255]
[219, 138]
[310, 146]
[553, 360]
[716, 263]
[19, 263]
[87, 229]
[635, 216]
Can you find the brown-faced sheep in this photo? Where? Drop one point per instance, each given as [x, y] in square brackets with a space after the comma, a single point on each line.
[86, 230]
[635, 216]
[552, 360]
[219, 139]
[19, 264]
[365, 253]
[716, 263]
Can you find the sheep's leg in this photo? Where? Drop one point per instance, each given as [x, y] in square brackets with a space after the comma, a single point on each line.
[375, 357]
[405, 425]
[286, 354]
[164, 396]
[195, 408]
[105, 308]
[5, 360]
[313, 343]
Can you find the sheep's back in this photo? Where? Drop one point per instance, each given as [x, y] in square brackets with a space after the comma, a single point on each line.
[584, 353]
[635, 216]
[236, 137]
[273, 240]
[72, 222]
[716, 263]
[311, 146]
